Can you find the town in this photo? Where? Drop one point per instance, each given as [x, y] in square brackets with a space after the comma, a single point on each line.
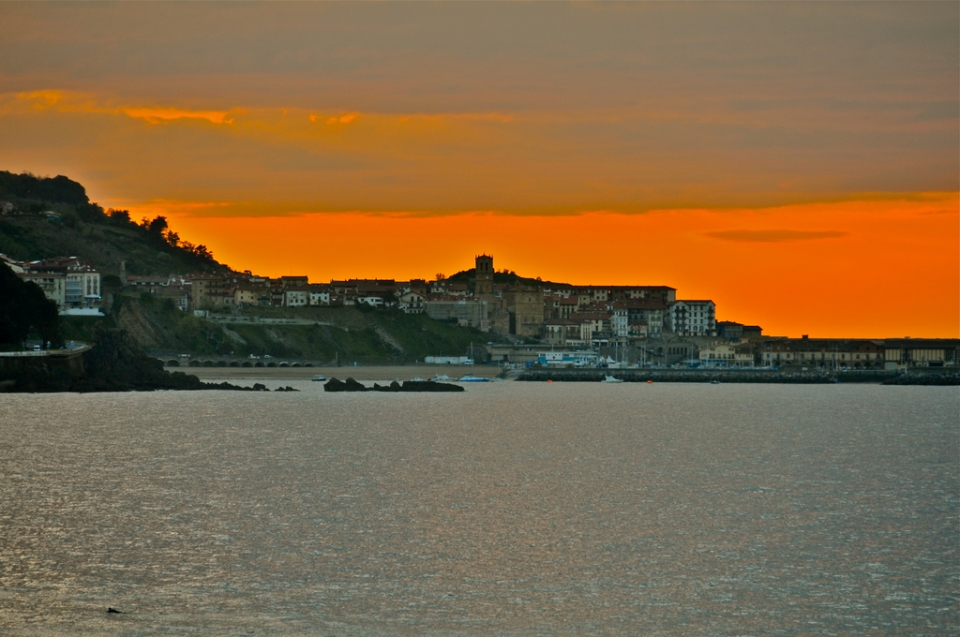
[529, 322]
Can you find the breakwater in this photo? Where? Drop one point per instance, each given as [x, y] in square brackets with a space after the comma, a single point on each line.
[877, 377]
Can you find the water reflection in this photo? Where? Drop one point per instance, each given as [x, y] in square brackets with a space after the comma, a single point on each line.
[513, 509]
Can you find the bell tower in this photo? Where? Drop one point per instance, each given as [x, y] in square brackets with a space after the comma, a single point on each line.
[484, 274]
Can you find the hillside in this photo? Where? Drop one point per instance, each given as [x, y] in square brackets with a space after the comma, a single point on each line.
[322, 334]
[53, 217]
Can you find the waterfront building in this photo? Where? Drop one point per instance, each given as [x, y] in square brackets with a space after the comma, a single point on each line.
[902, 353]
[825, 353]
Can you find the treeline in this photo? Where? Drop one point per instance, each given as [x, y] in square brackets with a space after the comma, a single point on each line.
[34, 194]
[158, 231]
[29, 186]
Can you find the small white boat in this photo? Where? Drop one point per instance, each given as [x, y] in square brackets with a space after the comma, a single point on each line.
[319, 379]
[470, 378]
[441, 378]
[416, 379]
[612, 379]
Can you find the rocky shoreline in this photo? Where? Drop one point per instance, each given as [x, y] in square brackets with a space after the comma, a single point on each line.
[113, 364]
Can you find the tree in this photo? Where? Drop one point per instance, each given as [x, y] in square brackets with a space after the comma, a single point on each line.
[90, 213]
[199, 251]
[58, 189]
[157, 226]
[120, 217]
[25, 309]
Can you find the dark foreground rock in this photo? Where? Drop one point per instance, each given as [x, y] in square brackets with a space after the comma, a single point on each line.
[335, 384]
[351, 385]
[114, 363]
[418, 386]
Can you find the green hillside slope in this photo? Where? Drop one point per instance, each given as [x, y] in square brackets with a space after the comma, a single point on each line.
[322, 334]
[83, 229]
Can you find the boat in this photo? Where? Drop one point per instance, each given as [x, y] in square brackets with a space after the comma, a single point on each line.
[319, 379]
[470, 378]
[441, 378]
[714, 382]
[416, 379]
[612, 379]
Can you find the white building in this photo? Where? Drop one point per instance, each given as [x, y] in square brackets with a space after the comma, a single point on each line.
[319, 295]
[53, 285]
[370, 299]
[719, 355]
[692, 318]
[412, 302]
[619, 322]
[296, 296]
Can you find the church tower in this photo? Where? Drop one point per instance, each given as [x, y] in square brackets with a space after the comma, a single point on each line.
[484, 274]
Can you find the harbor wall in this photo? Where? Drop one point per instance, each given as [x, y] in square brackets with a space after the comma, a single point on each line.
[945, 377]
[56, 363]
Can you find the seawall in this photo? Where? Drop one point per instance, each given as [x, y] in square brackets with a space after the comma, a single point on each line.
[62, 363]
[877, 377]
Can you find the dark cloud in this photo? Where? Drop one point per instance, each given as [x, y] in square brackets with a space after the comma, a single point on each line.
[628, 107]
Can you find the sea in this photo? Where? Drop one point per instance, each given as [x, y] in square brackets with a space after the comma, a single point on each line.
[512, 509]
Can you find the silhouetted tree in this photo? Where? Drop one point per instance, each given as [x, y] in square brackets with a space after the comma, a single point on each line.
[120, 217]
[91, 213]
[24, 309]
[157, 226]
[57, 189]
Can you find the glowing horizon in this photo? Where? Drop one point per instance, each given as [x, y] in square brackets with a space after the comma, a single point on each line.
[795, 282]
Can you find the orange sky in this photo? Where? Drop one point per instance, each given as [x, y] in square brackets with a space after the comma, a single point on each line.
[861, 268]
[798, 163]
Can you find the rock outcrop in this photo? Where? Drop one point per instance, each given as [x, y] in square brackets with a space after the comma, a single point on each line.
[351, 385]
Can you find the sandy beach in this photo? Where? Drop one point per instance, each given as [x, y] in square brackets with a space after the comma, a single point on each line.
[373, 372]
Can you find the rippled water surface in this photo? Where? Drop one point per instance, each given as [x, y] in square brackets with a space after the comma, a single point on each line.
[514, 509]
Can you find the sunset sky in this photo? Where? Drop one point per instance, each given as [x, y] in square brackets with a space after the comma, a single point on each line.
[798, 163]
